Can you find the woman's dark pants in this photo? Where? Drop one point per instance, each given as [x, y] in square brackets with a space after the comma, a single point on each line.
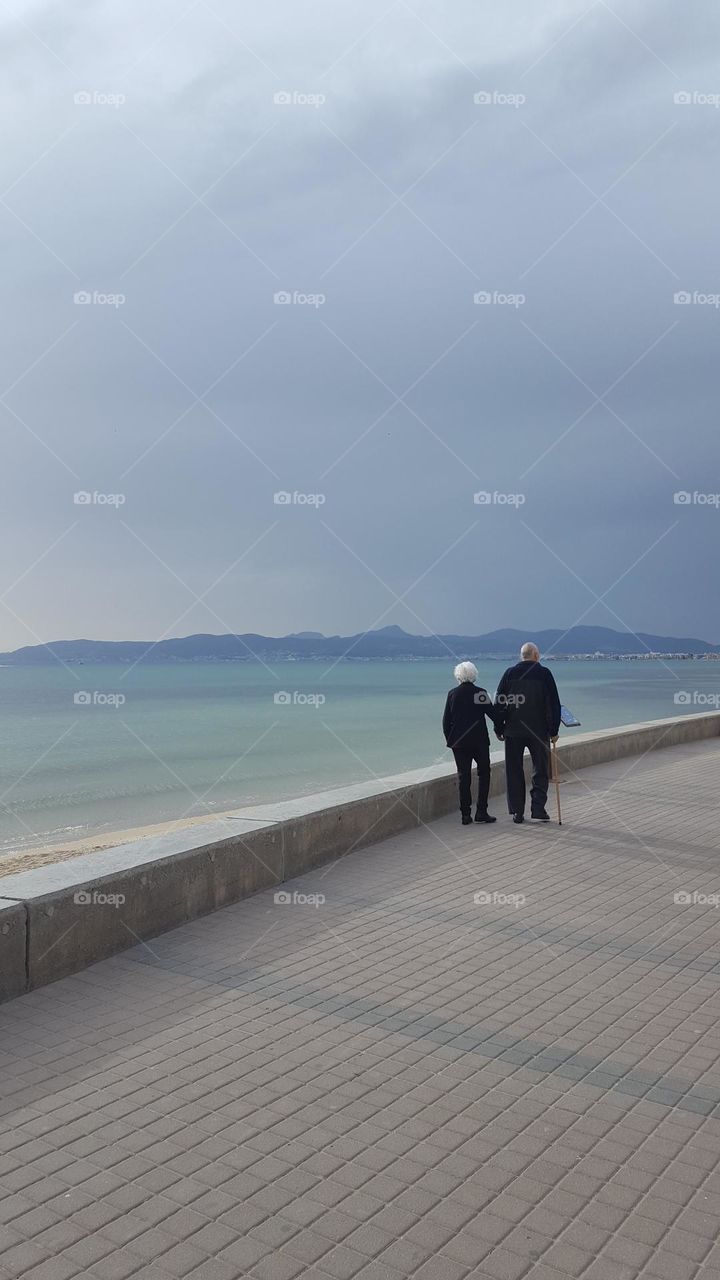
[464, 757]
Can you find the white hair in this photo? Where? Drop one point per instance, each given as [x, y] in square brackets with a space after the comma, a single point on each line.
[530, 652]
[465, 673]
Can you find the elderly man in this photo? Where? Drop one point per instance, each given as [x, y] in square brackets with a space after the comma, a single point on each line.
[529, 706]
[467, 736]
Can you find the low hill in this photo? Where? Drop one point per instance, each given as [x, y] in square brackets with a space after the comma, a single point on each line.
[387, 642]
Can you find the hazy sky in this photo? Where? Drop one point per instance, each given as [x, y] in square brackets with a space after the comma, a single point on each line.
[146, 159]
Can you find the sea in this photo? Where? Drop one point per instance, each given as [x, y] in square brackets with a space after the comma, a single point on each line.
[94, 749]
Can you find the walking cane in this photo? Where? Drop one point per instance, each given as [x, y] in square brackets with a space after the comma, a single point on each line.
[566, 718]
[553, 756]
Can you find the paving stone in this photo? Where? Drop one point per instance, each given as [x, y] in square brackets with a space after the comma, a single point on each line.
[90, 1250]
[489, 1228]
[404, 1256]
[622, 1249]
[466, 1249]
[278, 1266]
[644, 1230]
[276, 1230]
[58, 1268]
[120, 1265]
[441, 1268]
[337, 1225]
[19, 1258]
[245, 1252]
[309, 1245]
[604, 1269]
[211, 1269]
[503, 1265]
[686, 1244]
[671, 1266]
[342, 1263]
[123, 1230]
[564, 1256]
[181, 1259]
[152, 1244]
[369, 1239]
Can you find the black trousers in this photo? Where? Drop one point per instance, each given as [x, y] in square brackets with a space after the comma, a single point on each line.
[464, 757]
[539, 749]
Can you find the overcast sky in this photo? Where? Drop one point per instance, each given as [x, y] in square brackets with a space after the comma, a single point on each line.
[147, 160]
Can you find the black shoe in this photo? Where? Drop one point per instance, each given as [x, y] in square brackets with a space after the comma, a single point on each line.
[466, 820]
[541, 815]
[482, 815]
[518, 817]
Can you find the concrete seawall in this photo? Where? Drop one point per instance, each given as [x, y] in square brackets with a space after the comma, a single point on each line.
[57, 919]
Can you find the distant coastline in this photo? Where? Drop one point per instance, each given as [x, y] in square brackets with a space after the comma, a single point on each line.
[581, 644]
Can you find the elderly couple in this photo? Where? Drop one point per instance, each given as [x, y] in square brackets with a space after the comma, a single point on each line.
[526, 713]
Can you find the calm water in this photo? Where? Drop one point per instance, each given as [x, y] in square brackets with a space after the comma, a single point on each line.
[198, 738]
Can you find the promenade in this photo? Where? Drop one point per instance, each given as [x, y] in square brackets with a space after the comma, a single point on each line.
[489, 1053]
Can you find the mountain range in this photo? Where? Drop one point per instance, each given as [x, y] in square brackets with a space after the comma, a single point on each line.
[387, 642]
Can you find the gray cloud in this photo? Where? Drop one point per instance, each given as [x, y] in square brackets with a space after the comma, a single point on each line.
[296, 397]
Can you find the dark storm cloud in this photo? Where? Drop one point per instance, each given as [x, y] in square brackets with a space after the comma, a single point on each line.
[397, 397]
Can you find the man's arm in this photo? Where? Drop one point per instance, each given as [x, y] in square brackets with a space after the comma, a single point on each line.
[552, 702]
[446, 720]
[501, 704]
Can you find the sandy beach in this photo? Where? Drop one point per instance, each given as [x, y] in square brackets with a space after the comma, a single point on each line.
[42, 855]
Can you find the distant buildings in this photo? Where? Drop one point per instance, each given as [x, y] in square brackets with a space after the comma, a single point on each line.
[628, 657]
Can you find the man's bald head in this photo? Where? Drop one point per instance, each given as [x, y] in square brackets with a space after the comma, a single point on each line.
[530, 652]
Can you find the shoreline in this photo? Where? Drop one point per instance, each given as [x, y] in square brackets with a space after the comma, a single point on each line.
[43, 855]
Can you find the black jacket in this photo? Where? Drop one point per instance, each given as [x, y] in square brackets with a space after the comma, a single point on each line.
[464, 717]
[528, 702]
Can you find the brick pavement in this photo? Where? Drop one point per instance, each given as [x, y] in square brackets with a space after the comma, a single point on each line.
[402, 1081]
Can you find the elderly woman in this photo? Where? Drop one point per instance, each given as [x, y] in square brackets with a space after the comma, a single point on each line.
[467, 736]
